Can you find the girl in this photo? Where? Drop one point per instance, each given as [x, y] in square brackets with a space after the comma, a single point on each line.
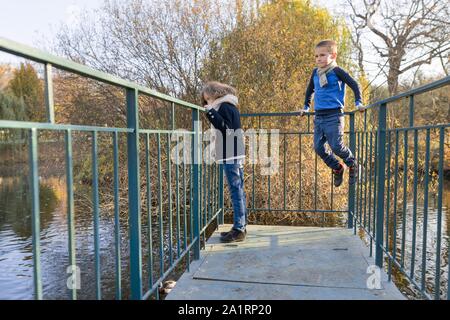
[221, 103]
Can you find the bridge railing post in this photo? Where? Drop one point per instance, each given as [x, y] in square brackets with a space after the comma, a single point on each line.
[381, 166]
[134, 205]
[351, 191]
[221, 195]
[196, 163]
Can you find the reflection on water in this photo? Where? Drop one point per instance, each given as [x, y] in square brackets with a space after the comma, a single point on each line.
[16, 263]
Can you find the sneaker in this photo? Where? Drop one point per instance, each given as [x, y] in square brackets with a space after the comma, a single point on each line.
[224, 233]
[353, 174]
[233, 236]
[338, 176]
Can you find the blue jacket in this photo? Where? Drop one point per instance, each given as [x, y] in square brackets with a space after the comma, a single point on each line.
[332, 96]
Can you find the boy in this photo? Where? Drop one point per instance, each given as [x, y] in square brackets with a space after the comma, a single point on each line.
[328, 85]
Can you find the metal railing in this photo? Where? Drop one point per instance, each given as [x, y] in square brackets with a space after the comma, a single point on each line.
[296, 145]
[372, 204]
[382, 203]
[202, 202]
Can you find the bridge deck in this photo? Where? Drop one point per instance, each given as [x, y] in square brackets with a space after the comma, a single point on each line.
[279, 262]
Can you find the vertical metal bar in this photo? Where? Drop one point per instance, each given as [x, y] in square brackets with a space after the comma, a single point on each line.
[70, 211]
[177, 177]
[284, 172]
[117, 216]
[191, 194]
[388, 191]
[351, 193]
[380, 184]
[196, 155]
[394, 240]
[208, 193]
[49, 101]
[35, 213]
[437, 282]
[315, 181]
[134, 198]
[95, 201]
[184, 198]
[368, 177]
[173, 116]
[268, 179]
[414, 226]
[375, 181]
[203, 171]
[253, 186]
[169, 182]
[214, 190]
[300, 171]
[160, 208]
[364, 176]
[221, 194]
[411, 110]
[149, 210]
[358, 184]
[370, 190]
[331, 190]
[405, 196]
[425, 208]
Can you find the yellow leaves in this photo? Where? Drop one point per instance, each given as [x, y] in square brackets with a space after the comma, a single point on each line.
[271, 60]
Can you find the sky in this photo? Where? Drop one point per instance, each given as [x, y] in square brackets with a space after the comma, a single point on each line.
[40, 20]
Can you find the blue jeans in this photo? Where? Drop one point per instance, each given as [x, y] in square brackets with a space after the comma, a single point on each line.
[330, 128]
[235, 179]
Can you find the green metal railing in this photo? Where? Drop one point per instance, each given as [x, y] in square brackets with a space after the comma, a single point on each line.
[380, 206]
[192, 216]
[373, 203]
[300, 146]
[376, 204]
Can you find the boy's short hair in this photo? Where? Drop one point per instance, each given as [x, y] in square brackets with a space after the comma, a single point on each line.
[216, 90]
[331, 45]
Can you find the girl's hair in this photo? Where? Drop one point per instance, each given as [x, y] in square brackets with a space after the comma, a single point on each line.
[216, 90]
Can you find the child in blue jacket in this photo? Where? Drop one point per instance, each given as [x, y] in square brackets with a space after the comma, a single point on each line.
[328, 85]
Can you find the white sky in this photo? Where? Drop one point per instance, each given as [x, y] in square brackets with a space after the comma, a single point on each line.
[32, 21]
[29, 21]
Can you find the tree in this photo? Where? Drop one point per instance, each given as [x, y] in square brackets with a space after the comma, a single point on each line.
[5, 76]
[158, 44]
[270, 60]
[411, 33]
[26, 85]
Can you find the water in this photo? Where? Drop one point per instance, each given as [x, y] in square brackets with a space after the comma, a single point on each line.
[16, 260]
[16, 263]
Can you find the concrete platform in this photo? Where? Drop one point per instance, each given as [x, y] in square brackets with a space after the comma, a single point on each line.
[284, 263]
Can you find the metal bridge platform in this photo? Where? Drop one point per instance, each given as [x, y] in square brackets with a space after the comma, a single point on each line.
[285, 263]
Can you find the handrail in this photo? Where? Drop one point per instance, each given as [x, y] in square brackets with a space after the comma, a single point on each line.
[422, 89]
[67, 65]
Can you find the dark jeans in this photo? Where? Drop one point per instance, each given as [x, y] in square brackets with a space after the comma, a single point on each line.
[330, 128]
[235, 178]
